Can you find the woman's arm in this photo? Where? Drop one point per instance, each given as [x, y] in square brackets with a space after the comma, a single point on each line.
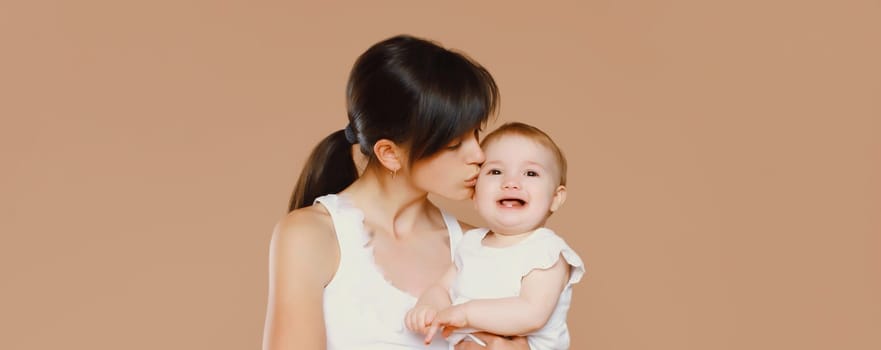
[494, 342]
[519, 315]
[303, 257]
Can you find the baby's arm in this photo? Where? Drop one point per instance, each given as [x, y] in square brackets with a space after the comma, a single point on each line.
[432, 300]
[519, 315]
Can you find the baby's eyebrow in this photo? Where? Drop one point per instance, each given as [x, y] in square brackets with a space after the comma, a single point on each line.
[536, 164]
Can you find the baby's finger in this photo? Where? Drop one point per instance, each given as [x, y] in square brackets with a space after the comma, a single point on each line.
[418, 322]
[414, 322]
[429, 317]
[431, 331]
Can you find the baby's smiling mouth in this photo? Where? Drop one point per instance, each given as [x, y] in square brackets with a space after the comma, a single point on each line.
[511, 202]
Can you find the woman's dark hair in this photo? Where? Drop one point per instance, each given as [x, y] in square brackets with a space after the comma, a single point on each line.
[407, 90]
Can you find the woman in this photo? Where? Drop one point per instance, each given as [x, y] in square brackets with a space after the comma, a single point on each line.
[348, 260]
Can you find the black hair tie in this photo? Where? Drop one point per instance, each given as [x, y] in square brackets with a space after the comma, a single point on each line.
[350, 134]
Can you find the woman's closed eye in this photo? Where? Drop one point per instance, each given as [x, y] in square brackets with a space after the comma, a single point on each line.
[454, 146]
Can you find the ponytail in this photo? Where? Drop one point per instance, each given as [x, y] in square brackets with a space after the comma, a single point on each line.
[330, 169]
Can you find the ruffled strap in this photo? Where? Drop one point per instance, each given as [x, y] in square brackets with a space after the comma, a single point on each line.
[546, 249]
[346, 219]
[454, 230]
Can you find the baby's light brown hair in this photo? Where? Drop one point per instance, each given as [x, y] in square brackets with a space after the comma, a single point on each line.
[532, 133]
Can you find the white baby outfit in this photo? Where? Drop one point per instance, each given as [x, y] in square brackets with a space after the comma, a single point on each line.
[362, 310]
[489, 273]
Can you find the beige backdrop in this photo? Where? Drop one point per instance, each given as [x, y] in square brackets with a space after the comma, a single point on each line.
[725, 160]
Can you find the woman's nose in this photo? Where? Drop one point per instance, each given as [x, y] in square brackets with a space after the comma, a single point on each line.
[475, 153]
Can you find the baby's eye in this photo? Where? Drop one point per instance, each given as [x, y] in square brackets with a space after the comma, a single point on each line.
[531, 173]
[494, 172]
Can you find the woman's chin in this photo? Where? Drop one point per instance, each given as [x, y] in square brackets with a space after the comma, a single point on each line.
[458, 195]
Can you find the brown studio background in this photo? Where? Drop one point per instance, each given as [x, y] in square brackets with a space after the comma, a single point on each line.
[724, 157]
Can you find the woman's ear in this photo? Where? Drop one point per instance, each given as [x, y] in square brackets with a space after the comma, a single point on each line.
[389, 154]
[559, 198]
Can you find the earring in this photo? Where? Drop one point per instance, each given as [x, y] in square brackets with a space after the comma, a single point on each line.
[395, 173]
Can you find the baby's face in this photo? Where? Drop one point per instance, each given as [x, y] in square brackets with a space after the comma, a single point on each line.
[518, 186]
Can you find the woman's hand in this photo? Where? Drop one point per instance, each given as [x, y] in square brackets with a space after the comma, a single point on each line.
[494, 342]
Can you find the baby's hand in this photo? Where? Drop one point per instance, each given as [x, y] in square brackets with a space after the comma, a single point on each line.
[449, 319]
[420, 317]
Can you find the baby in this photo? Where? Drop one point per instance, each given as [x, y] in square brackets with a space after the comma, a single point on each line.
[514, 277]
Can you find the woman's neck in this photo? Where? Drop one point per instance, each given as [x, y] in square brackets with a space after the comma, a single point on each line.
[392, 204]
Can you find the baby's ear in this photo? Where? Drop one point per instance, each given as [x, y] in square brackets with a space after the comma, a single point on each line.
[559, 198]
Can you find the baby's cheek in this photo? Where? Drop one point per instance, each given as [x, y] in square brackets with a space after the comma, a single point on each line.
[481, 193]
[478, 199]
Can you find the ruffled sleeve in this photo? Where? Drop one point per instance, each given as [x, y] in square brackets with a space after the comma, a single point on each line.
[545, 250]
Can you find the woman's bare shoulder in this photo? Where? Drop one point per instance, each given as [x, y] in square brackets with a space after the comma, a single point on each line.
[306, 233]
[309, 220]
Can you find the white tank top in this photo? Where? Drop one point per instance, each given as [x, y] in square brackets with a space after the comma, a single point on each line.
[363, 311]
